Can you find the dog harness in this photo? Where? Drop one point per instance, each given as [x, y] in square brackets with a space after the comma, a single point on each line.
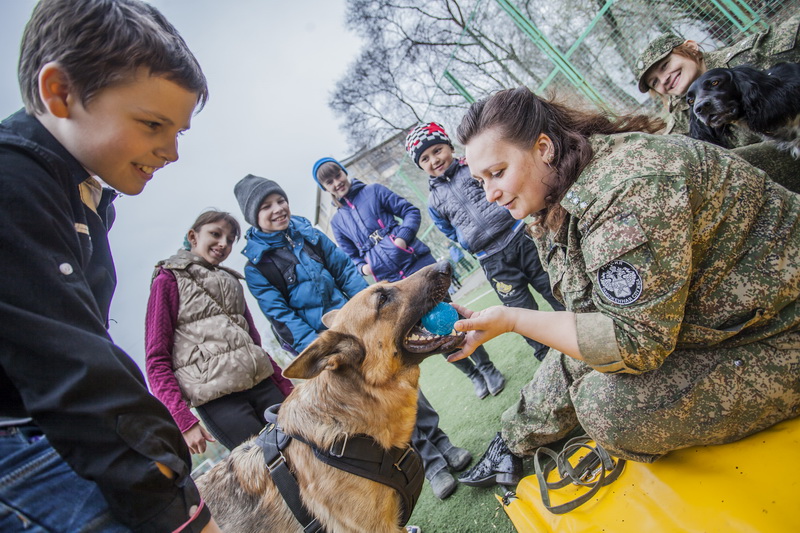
[398, 468]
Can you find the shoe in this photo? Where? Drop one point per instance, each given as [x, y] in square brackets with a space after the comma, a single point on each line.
[540, 352]
[498, 465]
[479, 384]
[457, 458]
[495, 381]
[414, 529]
[443, 484]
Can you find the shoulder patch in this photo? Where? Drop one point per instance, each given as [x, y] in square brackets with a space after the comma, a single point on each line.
[620, 282]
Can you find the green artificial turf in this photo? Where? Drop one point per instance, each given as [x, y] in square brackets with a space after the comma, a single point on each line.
[472, 423]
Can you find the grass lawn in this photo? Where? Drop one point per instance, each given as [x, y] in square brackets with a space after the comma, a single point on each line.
[471, 423]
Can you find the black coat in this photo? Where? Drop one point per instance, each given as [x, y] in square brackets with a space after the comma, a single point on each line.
[58, 364]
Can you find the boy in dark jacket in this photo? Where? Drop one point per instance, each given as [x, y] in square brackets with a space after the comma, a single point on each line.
[365, 226]
[458, 207]
[108, 87]
[297, 275]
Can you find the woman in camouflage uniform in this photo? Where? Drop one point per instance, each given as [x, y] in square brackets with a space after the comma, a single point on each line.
[678, 264]
[670, 64]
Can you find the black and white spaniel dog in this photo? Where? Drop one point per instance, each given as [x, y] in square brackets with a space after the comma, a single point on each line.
[766, 102]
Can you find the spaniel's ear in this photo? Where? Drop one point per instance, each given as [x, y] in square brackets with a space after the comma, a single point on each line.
[749, 90]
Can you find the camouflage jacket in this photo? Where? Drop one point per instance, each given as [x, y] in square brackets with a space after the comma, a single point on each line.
[673, 243]
[760, 50]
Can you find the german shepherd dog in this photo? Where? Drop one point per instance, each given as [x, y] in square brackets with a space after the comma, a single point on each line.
[362, 376]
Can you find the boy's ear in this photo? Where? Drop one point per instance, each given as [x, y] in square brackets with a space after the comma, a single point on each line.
[54, 89]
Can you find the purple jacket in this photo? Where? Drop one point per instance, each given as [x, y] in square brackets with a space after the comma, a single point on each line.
[365, 228]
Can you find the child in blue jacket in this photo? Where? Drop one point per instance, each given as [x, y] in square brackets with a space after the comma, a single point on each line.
[297, 275]
[366, 228]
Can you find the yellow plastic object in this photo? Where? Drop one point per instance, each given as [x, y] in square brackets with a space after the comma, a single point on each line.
[746, 486]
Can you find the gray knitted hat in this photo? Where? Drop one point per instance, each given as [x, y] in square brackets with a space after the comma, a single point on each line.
[657, 50]
[250, 193]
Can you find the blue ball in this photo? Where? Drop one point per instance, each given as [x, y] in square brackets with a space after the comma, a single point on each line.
[440, 319]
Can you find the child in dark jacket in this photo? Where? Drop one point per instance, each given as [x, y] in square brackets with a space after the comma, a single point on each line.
[297, 274]
[367, 230]
[458, 207]
[202, 347]
[108, 88]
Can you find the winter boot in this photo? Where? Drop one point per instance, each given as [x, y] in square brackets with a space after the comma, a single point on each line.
[498, 465]
[495, 381]
[475, 375]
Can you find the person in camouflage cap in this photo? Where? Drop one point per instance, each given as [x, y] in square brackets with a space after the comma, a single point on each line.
[669, 65]
[678, 265]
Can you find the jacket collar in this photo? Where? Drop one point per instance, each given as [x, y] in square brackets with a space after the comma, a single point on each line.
[355, 188]
[260, 242]
[29, 128]
[448, 175]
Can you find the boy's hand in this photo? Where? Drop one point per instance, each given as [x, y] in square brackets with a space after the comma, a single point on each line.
[196, 437]
[211, 527]
[481, 326]
[401, 243]
[366, 270]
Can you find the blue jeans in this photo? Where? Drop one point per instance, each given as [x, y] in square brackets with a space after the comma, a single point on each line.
[39, 492]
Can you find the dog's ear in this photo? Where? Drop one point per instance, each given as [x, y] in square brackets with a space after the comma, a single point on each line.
[329, 317]
[332, 350]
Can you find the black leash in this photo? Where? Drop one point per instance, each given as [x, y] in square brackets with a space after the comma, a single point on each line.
[594, 470]
[398, 468]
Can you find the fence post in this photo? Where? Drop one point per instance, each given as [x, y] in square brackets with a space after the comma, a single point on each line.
[458, 86]
[561, 62]
[736, 14]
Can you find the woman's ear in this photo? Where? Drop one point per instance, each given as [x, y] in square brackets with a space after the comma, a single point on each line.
[544, 145]
[191, 236]
[691, 44]
[54, 89]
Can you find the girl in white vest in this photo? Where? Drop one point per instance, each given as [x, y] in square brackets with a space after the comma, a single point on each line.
[202, 347]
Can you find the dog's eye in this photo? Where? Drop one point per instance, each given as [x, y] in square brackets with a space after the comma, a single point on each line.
[715, 83]
[690, 101]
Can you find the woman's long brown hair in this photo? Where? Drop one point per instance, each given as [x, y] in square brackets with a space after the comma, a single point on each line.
[520, 117]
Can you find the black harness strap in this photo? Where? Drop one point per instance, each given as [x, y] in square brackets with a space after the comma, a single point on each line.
[398, 468]
[272, 442]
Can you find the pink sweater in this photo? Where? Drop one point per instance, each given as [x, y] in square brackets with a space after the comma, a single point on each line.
[160, 323]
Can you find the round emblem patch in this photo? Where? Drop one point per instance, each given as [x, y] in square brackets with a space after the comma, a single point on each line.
[620, 282]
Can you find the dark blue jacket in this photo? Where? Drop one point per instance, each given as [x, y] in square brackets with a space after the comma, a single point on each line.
[457, 204]
[317, 288]
[58, 364]
[365, 227]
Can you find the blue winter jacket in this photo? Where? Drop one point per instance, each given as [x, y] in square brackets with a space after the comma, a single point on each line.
[458, 206]
[365, 228]
[316, 289]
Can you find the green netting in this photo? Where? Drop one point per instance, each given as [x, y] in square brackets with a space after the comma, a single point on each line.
[586, 48]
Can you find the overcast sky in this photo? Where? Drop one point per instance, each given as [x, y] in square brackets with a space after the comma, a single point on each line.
[271, 66]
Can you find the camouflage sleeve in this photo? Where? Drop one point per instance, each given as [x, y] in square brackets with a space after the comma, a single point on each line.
[637, 254]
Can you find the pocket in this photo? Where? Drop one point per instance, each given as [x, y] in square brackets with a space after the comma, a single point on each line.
[613, 239]
[408, 250]
[695, 336]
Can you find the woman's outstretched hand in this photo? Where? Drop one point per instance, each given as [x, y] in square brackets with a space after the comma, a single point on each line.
[481, 326]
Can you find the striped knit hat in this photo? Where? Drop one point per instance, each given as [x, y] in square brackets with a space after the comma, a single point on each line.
[424, 136]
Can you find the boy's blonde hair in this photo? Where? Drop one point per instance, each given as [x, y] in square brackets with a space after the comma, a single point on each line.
[100, 43]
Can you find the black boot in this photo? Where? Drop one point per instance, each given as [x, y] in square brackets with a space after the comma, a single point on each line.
[494, 379]
[498, 465]
[475, 375]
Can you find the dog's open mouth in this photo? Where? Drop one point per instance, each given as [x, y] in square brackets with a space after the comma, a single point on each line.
[420, 340]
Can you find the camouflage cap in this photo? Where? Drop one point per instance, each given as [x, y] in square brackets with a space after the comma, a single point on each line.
[657, 50]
